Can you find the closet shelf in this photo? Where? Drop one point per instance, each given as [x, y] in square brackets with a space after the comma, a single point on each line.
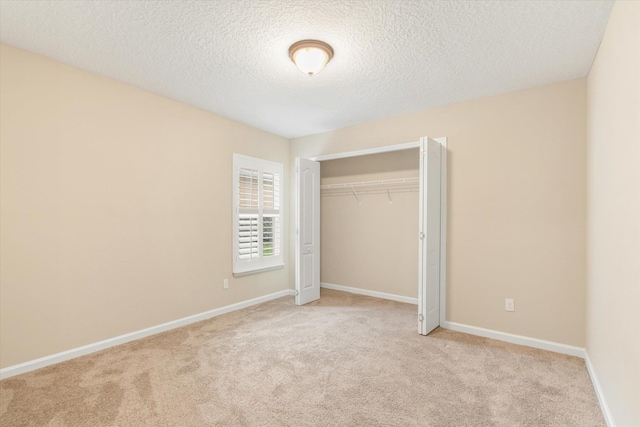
[384, 183]
[398, 185]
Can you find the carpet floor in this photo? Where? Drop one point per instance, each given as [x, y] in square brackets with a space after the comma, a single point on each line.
[345, 360]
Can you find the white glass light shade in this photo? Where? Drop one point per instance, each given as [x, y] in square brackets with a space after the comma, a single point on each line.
[310, 60]
[310, 56]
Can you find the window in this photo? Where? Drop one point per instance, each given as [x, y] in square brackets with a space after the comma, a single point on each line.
[257, 215]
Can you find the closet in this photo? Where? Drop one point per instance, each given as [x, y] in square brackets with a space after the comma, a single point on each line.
[374, 222]
[369, 224]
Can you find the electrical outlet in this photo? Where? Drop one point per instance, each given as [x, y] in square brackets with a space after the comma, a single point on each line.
[509, 304]
[225, 283]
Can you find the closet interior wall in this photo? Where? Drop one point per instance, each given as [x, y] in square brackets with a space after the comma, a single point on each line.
[370, 241]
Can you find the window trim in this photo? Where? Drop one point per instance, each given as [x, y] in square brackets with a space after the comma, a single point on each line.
[261, 263]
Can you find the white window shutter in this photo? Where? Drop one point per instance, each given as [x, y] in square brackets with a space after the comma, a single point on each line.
[257, 214]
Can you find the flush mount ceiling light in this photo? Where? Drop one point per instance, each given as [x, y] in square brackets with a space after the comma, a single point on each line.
[310, 56]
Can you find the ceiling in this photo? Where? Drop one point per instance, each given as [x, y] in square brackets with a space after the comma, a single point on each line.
[392, 57]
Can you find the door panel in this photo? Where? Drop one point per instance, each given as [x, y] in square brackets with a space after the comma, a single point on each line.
[307, 270]
[308, 231]
[429, 286]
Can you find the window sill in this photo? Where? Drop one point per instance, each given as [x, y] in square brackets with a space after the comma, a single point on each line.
[257, 270]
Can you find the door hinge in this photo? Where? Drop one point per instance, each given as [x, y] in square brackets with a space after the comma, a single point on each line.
[420, 317]
[421, 235]
[297, 292]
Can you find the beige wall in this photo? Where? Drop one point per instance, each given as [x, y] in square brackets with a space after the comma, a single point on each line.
[373, 244]
[613, 285]
[116, 208]
[517, 196]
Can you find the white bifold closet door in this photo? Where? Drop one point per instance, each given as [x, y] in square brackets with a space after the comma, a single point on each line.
[307, 231]
[429, 252]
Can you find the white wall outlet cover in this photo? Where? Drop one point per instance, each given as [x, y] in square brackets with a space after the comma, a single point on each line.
[509, 304]
[225, 283]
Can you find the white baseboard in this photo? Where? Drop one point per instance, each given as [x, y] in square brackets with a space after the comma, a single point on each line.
[32, 365]
[606, 412]
[516, 339]
[368, 293]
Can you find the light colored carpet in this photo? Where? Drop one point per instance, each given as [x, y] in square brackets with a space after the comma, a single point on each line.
[346, 360]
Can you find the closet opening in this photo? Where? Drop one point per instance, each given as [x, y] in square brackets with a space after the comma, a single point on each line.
[369, 224]
[373, 222]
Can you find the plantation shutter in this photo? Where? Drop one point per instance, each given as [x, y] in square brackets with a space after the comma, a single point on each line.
[249, 214]
[257, 214]
[270, 214]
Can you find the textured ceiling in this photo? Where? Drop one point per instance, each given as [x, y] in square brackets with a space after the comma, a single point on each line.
[392, 57]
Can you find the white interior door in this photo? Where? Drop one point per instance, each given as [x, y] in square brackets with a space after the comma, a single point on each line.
[429, 258]
[307, 231]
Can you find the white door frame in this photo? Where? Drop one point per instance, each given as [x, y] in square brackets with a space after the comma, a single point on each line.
[443, 204]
